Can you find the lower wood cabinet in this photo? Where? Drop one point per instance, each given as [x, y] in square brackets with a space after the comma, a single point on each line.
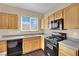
[3, 46]
[31, 44]
[65, 50]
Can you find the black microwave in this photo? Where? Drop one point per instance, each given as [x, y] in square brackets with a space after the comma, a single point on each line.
[56, 24]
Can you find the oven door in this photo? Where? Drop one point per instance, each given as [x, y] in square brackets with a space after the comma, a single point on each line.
[50, 50]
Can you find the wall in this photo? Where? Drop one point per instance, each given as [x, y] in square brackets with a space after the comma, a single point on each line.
[19, 12]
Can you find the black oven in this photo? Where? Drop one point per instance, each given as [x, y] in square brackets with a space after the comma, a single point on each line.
[50, 49]
[51, 43]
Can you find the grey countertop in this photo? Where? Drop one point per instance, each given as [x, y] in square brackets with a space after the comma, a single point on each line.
[19, 36]
[71, 42]
[11, 35]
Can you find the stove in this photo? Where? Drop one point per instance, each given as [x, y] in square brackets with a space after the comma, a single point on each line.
[51, 43]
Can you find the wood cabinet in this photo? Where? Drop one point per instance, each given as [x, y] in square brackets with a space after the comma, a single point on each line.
[36, 43]
[51, 17]
[42, 42]
[71, 18]
[70, 15]
[8, 21]
[65, 50]
[31, 44]
[3, 21]
[58, 14]
[26, 45]
[44, 23]
[12, 21]
[3, 46]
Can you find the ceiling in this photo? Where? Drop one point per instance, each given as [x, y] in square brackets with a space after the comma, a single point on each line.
[38, 7]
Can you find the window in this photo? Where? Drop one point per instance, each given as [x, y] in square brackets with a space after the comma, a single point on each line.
[29, 23]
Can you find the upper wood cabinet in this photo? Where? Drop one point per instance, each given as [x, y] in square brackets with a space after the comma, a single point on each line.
[51, 17]
[8, 21]
[71, 17]
[58, 14]
[44, 23]
[12, 21]
[3, 21]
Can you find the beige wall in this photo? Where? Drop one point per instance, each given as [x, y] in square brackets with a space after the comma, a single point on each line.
[19, 12]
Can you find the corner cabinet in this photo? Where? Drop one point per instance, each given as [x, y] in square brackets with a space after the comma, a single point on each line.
[71, 17]
[8, 21]
[65, 50]
[31, 44]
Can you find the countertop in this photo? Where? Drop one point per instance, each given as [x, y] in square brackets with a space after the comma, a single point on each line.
[71, 42]
[19, 36]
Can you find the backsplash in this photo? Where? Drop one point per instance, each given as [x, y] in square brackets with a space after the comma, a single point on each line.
[14, 31]
[71, 33]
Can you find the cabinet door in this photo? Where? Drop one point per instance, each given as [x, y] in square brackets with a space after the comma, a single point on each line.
[51, 17]
[31, 44]
[12, 21]
[3, 20]
[42, 23]
[59, 14]
[65, 50]
[36, 43]
[26, 45]
[71, 18]
[46, 22]
[3, 46]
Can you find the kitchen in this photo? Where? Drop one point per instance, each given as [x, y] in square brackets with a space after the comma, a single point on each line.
[25, 32]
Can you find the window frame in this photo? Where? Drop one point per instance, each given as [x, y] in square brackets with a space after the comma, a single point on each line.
[30, 23]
